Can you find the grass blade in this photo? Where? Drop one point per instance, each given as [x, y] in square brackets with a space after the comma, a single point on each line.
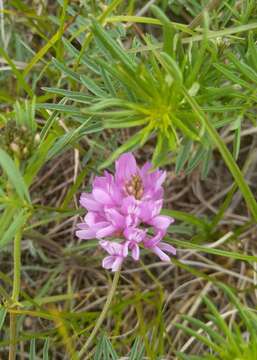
[227, 156]
[14, 175]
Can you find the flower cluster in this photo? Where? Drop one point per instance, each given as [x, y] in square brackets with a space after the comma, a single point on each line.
[127, 206]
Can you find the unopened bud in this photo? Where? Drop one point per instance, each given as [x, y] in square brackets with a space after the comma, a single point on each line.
[37, 138]
[15, 148]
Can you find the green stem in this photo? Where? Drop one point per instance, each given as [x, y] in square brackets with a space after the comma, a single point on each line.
[12, 348]
[17, 267]
[16, 292]
[103, 314]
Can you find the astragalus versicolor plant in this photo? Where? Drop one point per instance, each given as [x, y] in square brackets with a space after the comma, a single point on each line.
[125, 208]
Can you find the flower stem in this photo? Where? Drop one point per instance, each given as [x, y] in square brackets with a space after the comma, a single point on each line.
[16, 292]
[103, 314]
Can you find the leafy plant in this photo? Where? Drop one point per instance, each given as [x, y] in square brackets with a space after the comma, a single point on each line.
[224, 342]
[105, 350]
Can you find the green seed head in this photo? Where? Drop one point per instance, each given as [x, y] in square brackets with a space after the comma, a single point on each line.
[18, 140]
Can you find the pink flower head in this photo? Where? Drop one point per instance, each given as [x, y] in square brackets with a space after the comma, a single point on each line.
[125, 206]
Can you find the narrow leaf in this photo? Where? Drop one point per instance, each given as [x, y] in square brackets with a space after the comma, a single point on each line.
[14, 175]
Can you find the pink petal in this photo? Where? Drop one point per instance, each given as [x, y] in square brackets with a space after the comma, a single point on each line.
[102, 196]
[126, 166]
[82, 226]
[145, 170]
[161, 222]
[117, 263]
[86, 234]
[106, 231]
[134, 234]
[145, 211]
[161, 176]
[167, 247]
[90, 218]
[115, 218]
[89, 203]
[103, 181]
[161, 254]
[105, 245]
[150, 209]
[130, 206]
[113, 248]
[108, 262]
[124, 249]
[135, 253]
[151, 242]
[132, 220]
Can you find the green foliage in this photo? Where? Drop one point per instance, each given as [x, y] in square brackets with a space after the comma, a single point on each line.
[105, 351]
[83, 82]
[166, 92]
[238, 341]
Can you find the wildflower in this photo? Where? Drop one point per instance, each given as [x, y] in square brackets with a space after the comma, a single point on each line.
[117, 254]
[126, 206]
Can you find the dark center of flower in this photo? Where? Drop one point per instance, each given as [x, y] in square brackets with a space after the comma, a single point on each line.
[135, 187]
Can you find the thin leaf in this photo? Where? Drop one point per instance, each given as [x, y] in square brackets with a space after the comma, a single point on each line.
[93, 87]
[32, 351]
[137, 351]
[68, 72]
[183, 155]
[112, 46]
[128, 145]
[45, 349]
[208, 250]
[228, 158]
[18, 221]
[3, 312]
[14, 175]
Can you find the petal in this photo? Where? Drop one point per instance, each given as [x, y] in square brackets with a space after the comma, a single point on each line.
[111, 247]
[106, 231]
[151, 242]
[161, 222]
[86, 234]
[90, 218]
[145, 211]
[102, 196]
[125, 166]
[150, 209]
[134, 234]
[132, 221]
[167, 247]
[153, 184]
[124, 249]
[145, 170]
[88, 202]
[115, 218]
[135, 252]
[160, 254]
[160, 178]
[129, 205]
[82, 226]
[108, 262]
[105, 245]
[103, 182]
[117, 263]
